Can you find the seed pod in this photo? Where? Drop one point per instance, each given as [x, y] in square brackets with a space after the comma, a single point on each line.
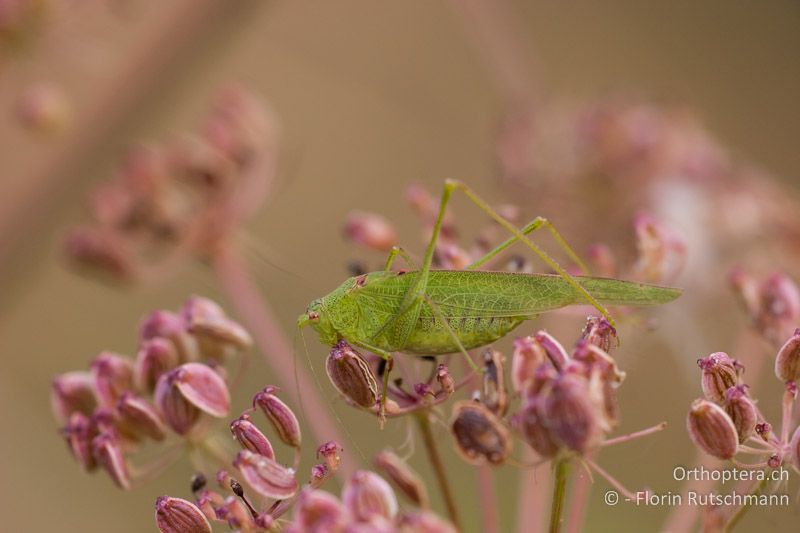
[72, 392]
[367, 496]
[113, 375]
[156, 356]
[282, 417]
[720, 373]
[403, 477]
[170, 326]
[317, 510]
[494, 394]
[267, 477]
[175, 515]
[234, 513]
[203, 388]
[742, 411]
[140, 416]
[370, 230]
[179, 414]
[535, 432]
[479, 435]
[79, 433]
[573, 414]
[351, 375]
[528, 355]
[712, 430]
[554, 350]
[787, 363]
[107, 451]
[250, 437]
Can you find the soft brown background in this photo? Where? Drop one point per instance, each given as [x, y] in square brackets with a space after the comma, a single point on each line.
[371, 96]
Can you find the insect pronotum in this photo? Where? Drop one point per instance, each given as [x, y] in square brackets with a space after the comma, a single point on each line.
[427, 311]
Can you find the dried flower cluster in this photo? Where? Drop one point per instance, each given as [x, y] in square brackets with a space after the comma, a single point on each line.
[183, 199]
[727, 420]
[368, 503]
[175, 382]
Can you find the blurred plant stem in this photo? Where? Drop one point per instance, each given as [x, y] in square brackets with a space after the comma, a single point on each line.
[259, 318]
[741, 511]
[559, 493]
[581, 488]
[490, 517]
[424, 424]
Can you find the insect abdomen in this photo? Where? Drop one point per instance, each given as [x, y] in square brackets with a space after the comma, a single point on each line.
[430, 336]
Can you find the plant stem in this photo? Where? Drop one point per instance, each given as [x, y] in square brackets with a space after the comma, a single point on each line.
[438, 467]
[741, 511]
[559, 492]
[491, 519]
[260, 320]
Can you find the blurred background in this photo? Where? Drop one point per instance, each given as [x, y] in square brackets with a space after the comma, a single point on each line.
[369, 98]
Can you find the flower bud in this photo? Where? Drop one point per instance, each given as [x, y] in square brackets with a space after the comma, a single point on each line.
[79, 433]
[156, 356]
[234, 513]
[140, 416]
[101, 252]
[72, 392]
[720, 373]
[370, 230]
[331, 453]
[571, 413]
[528, 355]
[742, 411]
[175, 515]
[424, 522]
[282, 417]
[661, 253]
[267, 477]
[445, 380]
[351, 375]
[494, 394]
[479, 435]
[367, 495]
[219, 337]
[787, 363]
[113, 375]
[107, 451]
[317, 510]
[599, 332]
[250, 437]
[779, 309]
[712, 430]
[403, 477]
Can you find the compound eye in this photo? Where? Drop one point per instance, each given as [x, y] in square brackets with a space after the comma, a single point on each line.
[313, 316]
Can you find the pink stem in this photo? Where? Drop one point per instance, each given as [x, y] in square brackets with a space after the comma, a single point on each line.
[579, 498]
[635, 435]
[261, 321]
[611, 479]
[490, 518]
[786, 420]
[533, 496]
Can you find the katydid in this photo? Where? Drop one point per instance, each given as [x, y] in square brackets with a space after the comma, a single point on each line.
[429, 312]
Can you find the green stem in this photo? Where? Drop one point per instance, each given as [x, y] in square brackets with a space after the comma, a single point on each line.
[741, 511]
[438, 467]
[559, 492]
